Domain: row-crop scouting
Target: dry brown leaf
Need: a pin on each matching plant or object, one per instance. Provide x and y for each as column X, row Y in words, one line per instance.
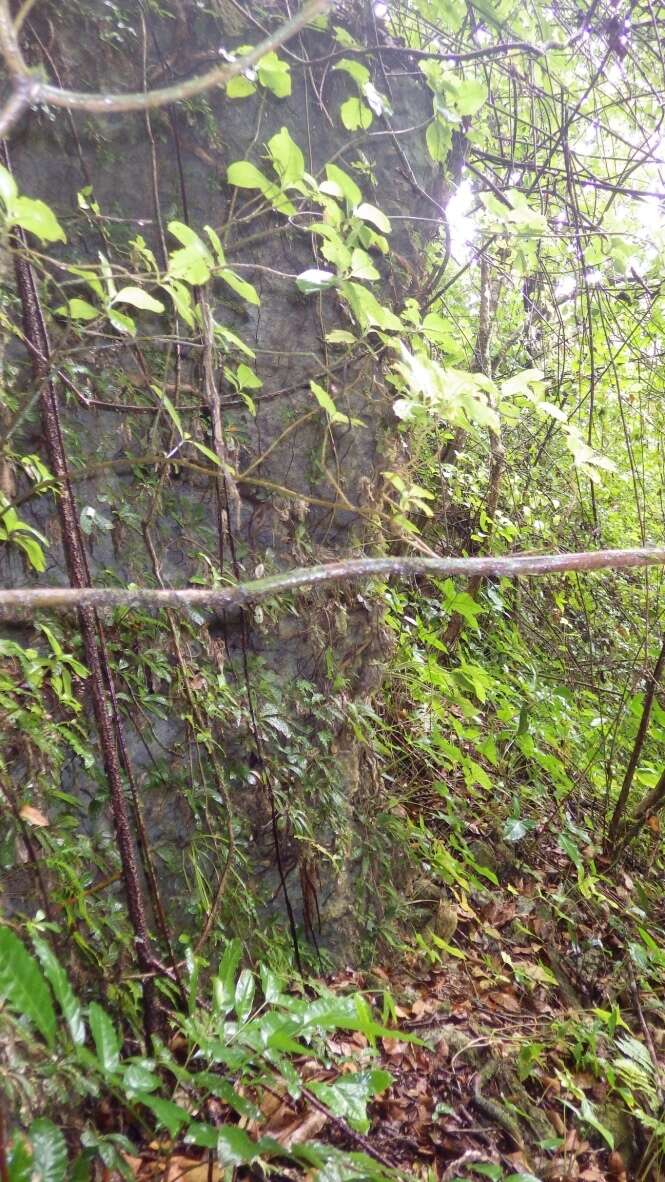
column 393, row 1047
column 301, row 1129
column 592, row 1173
column 507, row 1001
column 191, row 1169
column 33, row 816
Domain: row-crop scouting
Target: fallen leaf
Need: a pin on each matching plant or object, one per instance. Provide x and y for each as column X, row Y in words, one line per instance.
column 33, row 816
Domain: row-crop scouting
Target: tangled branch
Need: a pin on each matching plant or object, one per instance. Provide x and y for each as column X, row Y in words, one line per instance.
column 23, row 603
column 28, row 89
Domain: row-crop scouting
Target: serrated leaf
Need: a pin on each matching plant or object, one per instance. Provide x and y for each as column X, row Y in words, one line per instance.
column 49, row 1151
column 470, row 94
column 23, row 986
column 107, row 1043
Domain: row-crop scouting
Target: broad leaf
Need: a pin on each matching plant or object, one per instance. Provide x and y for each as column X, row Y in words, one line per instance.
column 23, row 986
column 49, row 1151
column 107, row 1043
column 64, row 994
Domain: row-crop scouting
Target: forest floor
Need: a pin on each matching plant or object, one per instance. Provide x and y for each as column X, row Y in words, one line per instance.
column 525, row 1047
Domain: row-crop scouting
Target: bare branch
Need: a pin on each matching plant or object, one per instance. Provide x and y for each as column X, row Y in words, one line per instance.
column 31, row 89
column 23, row 603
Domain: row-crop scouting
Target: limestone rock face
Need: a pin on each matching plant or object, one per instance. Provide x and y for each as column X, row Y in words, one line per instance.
column 311, row 489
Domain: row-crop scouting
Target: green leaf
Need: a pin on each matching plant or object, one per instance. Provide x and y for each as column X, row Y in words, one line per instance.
column 487, row 1169
column 439, row 138
column 182, row 300
column 369, row 213
column 355, row 114
column 23, row 986
column 8, row 189
column 313, row 281
column 107, row 1043
column 514, row 829
column 170, row 1115
column 20, row 1160
column 81, row 1171
column 138, row 298
column 348, row 1096
column 170, row 409
column 121, row 321
column 241, row 286
column 345, row 185
column 247, row 379
column 235, row 1147
column 340, row 336
column 326, row 403
column 49, row 1151
column 139, row 1077
column 240, row 87
column 216, row 245
column 275, row 75
column 78, row 310
column 287, row 158
column 362, row 266
column 206, row 451
column 194, row 262
column 64, row 994
column 244, row 994
column 470, row 94
column 355, row 69
column 368, row 311
column 245, row 175
column 37, row 218
column 224, row 984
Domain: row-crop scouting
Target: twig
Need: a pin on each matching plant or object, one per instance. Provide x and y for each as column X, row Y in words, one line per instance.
column 28, row 89
column 22, row 603
column 645, row 1030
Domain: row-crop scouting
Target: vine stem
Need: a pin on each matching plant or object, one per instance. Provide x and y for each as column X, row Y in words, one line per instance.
column 26, row 602
column 96, row 655
column 28, row 89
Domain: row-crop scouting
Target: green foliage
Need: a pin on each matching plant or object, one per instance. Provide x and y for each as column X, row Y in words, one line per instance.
column 257, row 1043
column 483, row 382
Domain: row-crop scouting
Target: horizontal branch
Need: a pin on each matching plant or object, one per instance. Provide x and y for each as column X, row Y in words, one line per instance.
column 24, row 603
column 29, row 89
